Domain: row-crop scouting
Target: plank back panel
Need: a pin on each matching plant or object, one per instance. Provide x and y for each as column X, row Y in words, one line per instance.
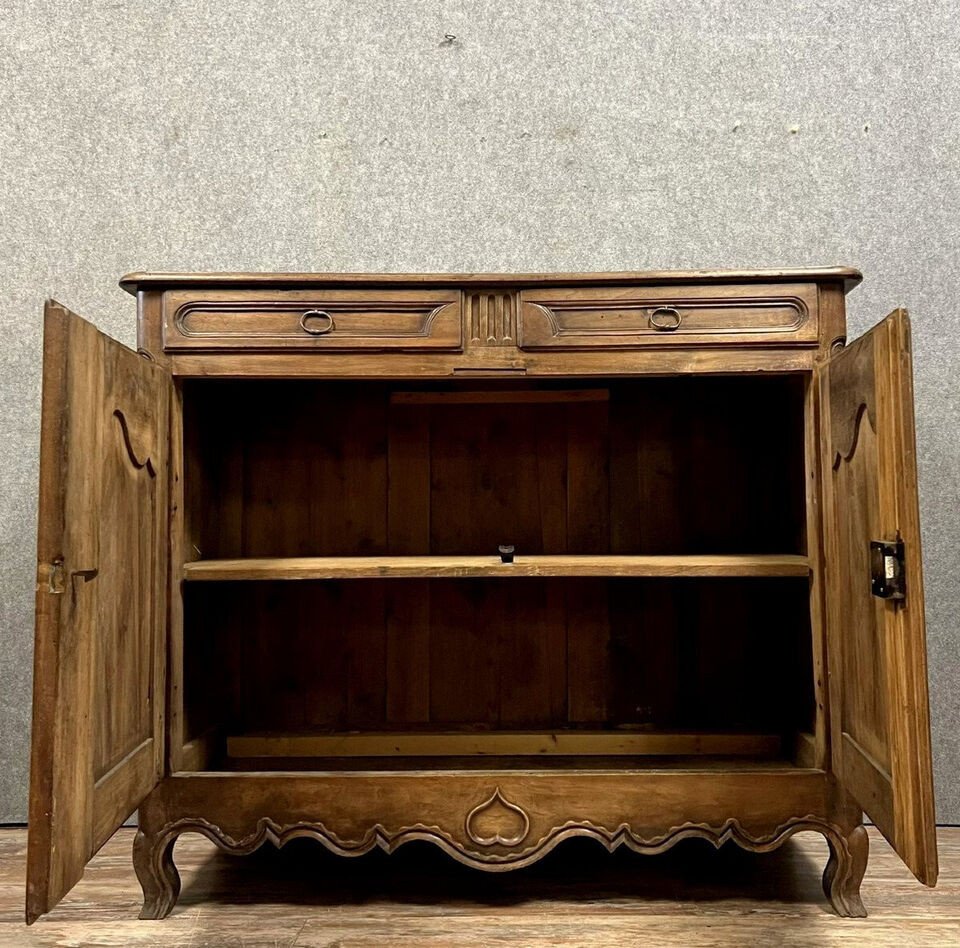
column 286, row 469
column 525, row 654
column 653, row 466
column 688, row 471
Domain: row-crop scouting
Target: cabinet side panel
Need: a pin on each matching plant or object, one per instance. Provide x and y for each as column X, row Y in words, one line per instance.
column 178, row 556
column 814, row 549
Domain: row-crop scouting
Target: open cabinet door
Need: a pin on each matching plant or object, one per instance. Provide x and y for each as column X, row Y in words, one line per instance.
column 99, row 664
column 876, row 650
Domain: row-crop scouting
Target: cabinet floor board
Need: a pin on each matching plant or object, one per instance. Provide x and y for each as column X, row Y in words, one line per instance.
column 505, row 743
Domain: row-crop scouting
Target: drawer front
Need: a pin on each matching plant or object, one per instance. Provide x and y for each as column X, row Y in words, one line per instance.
column 317, row 320
column 625, row 317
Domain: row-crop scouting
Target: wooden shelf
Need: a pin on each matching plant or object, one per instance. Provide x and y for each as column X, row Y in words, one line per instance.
column 618, row 743
column 464, row 567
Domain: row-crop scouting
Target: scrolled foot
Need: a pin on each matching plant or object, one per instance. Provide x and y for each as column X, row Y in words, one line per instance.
column 159, row 879
column 844, row 872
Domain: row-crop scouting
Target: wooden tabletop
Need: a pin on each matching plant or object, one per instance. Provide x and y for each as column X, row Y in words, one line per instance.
column 133, row 282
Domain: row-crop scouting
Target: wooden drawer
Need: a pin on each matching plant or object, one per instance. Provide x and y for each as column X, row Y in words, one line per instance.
column 628, row 316
column 317, row 320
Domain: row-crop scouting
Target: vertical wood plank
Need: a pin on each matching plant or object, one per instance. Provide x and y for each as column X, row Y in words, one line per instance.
column 327, row 626
column 358, row 507
column 277, row 501
column 408, row 652
column 227, row 466
column 533, row 658
column 588, row 651
column 626, row 518
column 464, row 655
column 588, row 499
column 646, row 666
column 408, row 500
column 646, row 477
column 549, row 446
column 365, row 619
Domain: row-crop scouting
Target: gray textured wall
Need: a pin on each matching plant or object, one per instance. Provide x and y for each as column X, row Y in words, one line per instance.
column 568, row 135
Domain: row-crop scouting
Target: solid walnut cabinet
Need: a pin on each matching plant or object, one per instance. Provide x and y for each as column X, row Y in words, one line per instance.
column 491, row 561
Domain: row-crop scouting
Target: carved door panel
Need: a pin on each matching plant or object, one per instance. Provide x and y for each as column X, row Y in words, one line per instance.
column 880, row 724
column 101, row 601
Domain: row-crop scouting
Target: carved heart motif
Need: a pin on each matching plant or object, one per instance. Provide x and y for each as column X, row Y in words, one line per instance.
column 497, row 820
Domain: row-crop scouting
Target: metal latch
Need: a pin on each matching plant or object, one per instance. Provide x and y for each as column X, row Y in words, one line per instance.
column 887, row 573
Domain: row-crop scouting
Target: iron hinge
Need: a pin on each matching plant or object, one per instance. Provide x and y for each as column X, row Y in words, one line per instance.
column 888, row 578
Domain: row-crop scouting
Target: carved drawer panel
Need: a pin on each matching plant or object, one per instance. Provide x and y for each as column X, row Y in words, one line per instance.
column 625, row 317
column 318, row 320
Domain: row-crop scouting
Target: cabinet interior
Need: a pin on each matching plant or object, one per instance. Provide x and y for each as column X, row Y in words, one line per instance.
column 485, row 670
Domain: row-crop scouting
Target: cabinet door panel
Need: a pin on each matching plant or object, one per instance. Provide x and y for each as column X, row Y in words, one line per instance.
column 880, row 726
column 99, row 669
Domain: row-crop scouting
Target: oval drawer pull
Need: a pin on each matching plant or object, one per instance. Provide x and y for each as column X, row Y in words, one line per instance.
column 666, row 318
column 316, row 314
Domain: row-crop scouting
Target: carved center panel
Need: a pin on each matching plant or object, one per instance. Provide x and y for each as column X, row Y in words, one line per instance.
column 497, row 820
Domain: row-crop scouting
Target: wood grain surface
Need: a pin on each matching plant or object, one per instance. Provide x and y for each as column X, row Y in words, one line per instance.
column 580, row 895
column 459, row 567
column 131, row 282
column 101, row 598
column 499, row 743
column 879, row 705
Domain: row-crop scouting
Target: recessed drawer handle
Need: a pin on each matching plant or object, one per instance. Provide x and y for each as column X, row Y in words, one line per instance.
column 322, row 325
column 666, row 318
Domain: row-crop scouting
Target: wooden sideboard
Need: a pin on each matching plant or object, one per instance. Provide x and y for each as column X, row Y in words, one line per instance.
column 486, row 560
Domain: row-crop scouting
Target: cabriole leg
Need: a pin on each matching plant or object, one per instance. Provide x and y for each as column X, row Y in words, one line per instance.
column 159, row 879
column 844, row 872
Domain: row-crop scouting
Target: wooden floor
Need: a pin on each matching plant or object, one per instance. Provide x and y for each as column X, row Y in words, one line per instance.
column 580, row 895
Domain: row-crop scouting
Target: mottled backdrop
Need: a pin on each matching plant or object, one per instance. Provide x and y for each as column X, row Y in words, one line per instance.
column 417, row 135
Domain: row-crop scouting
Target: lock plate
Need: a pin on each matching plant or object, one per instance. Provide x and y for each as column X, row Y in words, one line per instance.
column 887, row 573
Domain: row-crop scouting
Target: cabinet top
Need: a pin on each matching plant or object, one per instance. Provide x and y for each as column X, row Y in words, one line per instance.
column 133, row 282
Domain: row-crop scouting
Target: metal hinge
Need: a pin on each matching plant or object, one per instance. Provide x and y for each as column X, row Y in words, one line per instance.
column 50, row 577
column 888, row 578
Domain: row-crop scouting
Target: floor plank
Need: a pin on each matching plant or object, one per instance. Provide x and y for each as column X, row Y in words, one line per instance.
column 579, row 895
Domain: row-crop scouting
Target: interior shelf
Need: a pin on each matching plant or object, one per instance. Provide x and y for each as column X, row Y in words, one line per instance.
column 478, row 567
column 614, row 743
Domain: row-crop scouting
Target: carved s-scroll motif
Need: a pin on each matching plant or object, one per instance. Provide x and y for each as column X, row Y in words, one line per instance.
column 852, row 396
column 851, row 450
column 147, row 462
column 497, row 820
